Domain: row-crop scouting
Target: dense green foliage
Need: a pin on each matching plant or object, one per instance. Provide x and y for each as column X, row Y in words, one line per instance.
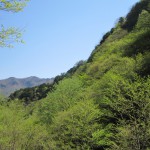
column 102, row 104
column 28, row 95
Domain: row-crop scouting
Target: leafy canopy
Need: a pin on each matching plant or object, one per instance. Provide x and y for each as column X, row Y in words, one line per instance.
column 11, row 34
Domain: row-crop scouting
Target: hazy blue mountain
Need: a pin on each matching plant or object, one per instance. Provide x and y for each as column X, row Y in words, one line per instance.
column 7, row 86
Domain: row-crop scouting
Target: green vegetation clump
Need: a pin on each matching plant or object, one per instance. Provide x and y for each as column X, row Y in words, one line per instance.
column 101, row 104
column 11, row 34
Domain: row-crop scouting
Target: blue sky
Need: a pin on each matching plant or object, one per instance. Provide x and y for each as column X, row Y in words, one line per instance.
column 58, row 33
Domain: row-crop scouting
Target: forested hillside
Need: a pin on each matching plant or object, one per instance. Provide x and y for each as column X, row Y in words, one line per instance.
column 100, row 104
column 35, row 93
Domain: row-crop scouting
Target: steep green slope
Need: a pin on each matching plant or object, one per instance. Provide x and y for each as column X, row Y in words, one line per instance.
column 116, row 79
column 103, row 104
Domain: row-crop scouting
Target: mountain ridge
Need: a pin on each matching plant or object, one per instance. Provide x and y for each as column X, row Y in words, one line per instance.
column 11, row 84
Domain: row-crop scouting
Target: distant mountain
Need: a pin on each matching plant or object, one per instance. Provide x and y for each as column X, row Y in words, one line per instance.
column 7, row 86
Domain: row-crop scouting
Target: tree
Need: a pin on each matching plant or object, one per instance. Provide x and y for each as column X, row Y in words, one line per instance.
column 125, row 112
column 72, row 129
column 11, row 34
column 65, row 95
column 133, row 15
column 143, row 20
column 19, row 129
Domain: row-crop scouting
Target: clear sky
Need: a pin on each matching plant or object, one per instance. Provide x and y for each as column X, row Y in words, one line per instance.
column 58, row 33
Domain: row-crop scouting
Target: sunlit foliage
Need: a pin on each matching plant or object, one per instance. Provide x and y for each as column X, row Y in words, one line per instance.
column 101, row 104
